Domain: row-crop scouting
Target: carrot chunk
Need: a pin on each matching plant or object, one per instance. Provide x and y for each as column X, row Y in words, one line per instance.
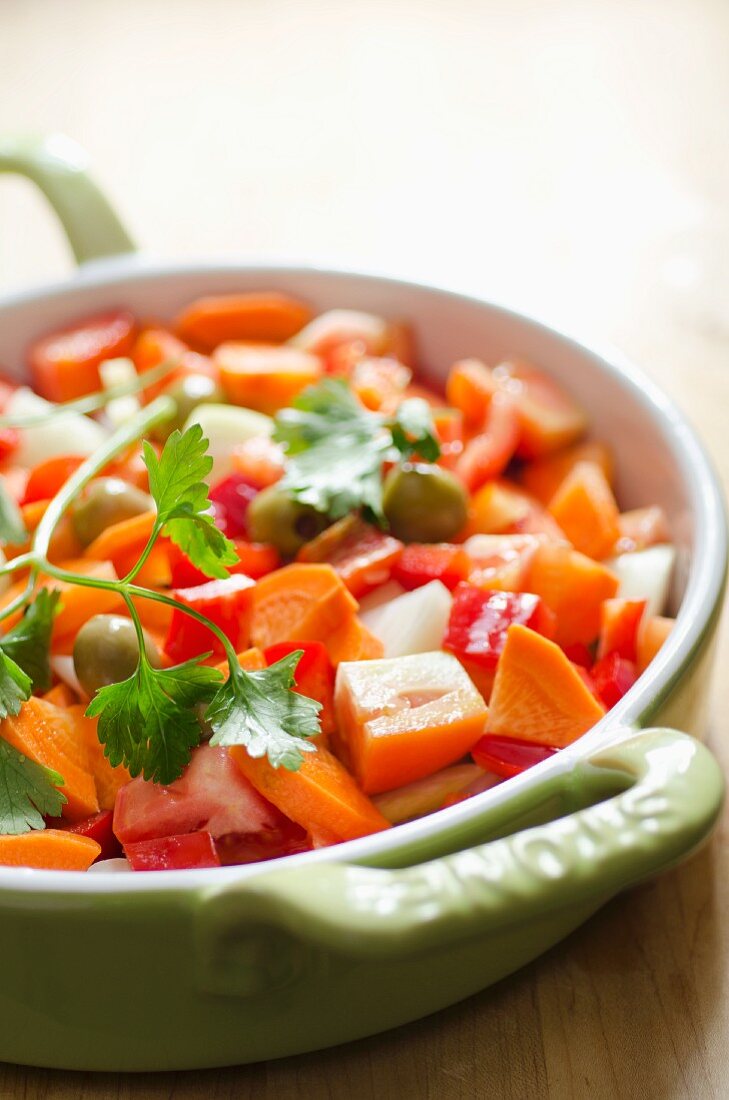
column 107, row 779
column 651, row 636
column 65, row 365
column 262, row 377
column 266, row 318
column 77, row 603
column 543, row 477
column 574, row 586
column 49, row 850
column 321, row 796
column 538, row 694
column 301, row 602
column 586, row 510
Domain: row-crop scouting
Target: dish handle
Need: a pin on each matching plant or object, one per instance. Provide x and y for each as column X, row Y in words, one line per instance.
column 59, row 167
column 255, row 934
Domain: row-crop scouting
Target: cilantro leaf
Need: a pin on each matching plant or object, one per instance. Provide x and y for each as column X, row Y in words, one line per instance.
column 28, row 642
column 28, row 791
column 148, row 722
column 177, row 483
column 335, row 448
column 15, row 686
column 12, row 528
column 259, row 710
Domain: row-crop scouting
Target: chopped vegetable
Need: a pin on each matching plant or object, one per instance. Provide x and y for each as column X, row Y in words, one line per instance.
column 272, row 317
column 507, row 756
column 479, row 622
column 652, row 633
column 413, row 623
column 619, row 626
column 173, row 853
column 543, row 477
column 66, row 364
column 265, row 378
column 228, row 604
column 612, row 677
column 49, row 850
column 362, row 555
column 226, row 429
column 420, row 563
column 574, row 587
column 645, row 575
column 51, row 437
column 313, row 677
column 586, row 510
column 301, row 602
column 425, row 796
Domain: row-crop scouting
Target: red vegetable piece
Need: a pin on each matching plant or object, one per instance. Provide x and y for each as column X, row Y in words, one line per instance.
column 362, row 555
column 480, row 619
column 255, row 559
column 507, row 756
column 173, row 853
column 65, row 365
column 227, row 603
column 487, row 454
column 579, row 654
column 231, row 498
column 612, row 677
column 314, row 676
column 619, row 624
column 48, row 477
column 421, row 563
column 9, row 440
column 98, row 827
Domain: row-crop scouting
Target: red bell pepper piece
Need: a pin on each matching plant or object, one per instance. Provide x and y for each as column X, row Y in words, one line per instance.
column 421, row 563
column 228, row 603
column 480, row 619
column 173, row 853
column 98, row 827
column 255, row 559
column 507, row 756
column 612, row 677
column 579, row 654
column 9, row 440
column 487, row 454
column 619, row 624
column 362, row 555
column 314, row 676
column 48, row 477
column 230, row 499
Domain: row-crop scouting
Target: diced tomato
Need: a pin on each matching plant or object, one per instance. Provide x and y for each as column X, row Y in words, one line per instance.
column 508, row 756
column 173, row 853
column 48, row 477
column 212, row 795
column 228, row 603
column 255, row 559
column 362, row 555
column 65, row 365
column 619, row 625
column 480, row 619
column 421, row 563
column 488, row 453
column 9, row 440
column 231, row 498
column 612, row 677
column 259, row 460
column 98, row 827
column 314, row 676
column 579, row 654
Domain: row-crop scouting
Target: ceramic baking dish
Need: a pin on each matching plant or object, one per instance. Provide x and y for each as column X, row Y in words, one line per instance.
column 202, row 968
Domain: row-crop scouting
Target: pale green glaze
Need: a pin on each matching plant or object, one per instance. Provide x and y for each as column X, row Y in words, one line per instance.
column 306, row 954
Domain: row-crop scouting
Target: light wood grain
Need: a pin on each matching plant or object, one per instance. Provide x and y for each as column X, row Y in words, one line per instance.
column 569, row 157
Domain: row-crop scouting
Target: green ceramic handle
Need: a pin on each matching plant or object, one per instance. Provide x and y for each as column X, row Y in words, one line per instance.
column 670, row 793
column 58, row 166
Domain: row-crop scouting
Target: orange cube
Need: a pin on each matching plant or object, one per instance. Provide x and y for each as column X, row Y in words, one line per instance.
column 586, row 510
column 574, row 587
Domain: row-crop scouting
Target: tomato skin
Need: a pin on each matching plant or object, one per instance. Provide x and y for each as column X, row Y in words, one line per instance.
column 314, row 676
column 228, row 603
column 173, row 853
column 620, row 621
column 612, row 677
column 362, row 555
column 48, row 477
column 480, row 619
column 508, row 756
column 255, row 559
column 579, row 654
column 421, row 563
column 230, row 498
column 65, row 364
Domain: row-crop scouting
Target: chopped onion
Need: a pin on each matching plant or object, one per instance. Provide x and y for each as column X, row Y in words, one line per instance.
column 110, row 867
column 118, row 372
column 413, row 623
column 226, row 427
column 66, row 433
column 645, row 575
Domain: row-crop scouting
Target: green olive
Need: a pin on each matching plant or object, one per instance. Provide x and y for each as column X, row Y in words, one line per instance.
column 188, row 392
column 106, row 651
column 274, row 517
column 107, row 500
column 424, row 503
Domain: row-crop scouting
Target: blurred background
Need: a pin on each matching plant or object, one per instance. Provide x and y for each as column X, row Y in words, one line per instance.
column 568, row 157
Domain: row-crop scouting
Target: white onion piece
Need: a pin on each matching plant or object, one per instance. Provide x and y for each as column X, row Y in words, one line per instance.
column 338, row 325
column 226, row 426
column 645, row 575
column 426, row 795
column 374, row 601
column 67, row 433
column 110, row 867
column 414, row 622
column 118, row 372
column 64, row 669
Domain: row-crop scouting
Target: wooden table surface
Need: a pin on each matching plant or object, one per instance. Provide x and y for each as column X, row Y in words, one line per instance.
column 567, row 157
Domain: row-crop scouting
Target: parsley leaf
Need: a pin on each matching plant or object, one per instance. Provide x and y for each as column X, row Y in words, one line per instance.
column 258, row 710
column 15, row 686
column 28, row 642
column 148, row 722
column 335, row 448
column 177, row 483
column 12, row 528
column 28, row 791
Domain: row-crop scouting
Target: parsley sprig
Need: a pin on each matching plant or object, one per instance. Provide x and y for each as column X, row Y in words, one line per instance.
column 28, row 791
column 335, row 448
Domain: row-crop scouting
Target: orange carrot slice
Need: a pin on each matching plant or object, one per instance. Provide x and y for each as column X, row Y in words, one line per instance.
column 77, row 604
column 304, row 602
column 543, row 477
column 586, row 510
column 574, row 587
column 50, row 736
column 108, row 780
column 538, row 694
column 651, row 636
column 352, row 641
column 49, row 850
column 250, row 660
column 267, row 378
column 496, row 508
column 121, row 539
column 320, row 796
column 60, row 695
column 65, row 364
column 268, row 318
